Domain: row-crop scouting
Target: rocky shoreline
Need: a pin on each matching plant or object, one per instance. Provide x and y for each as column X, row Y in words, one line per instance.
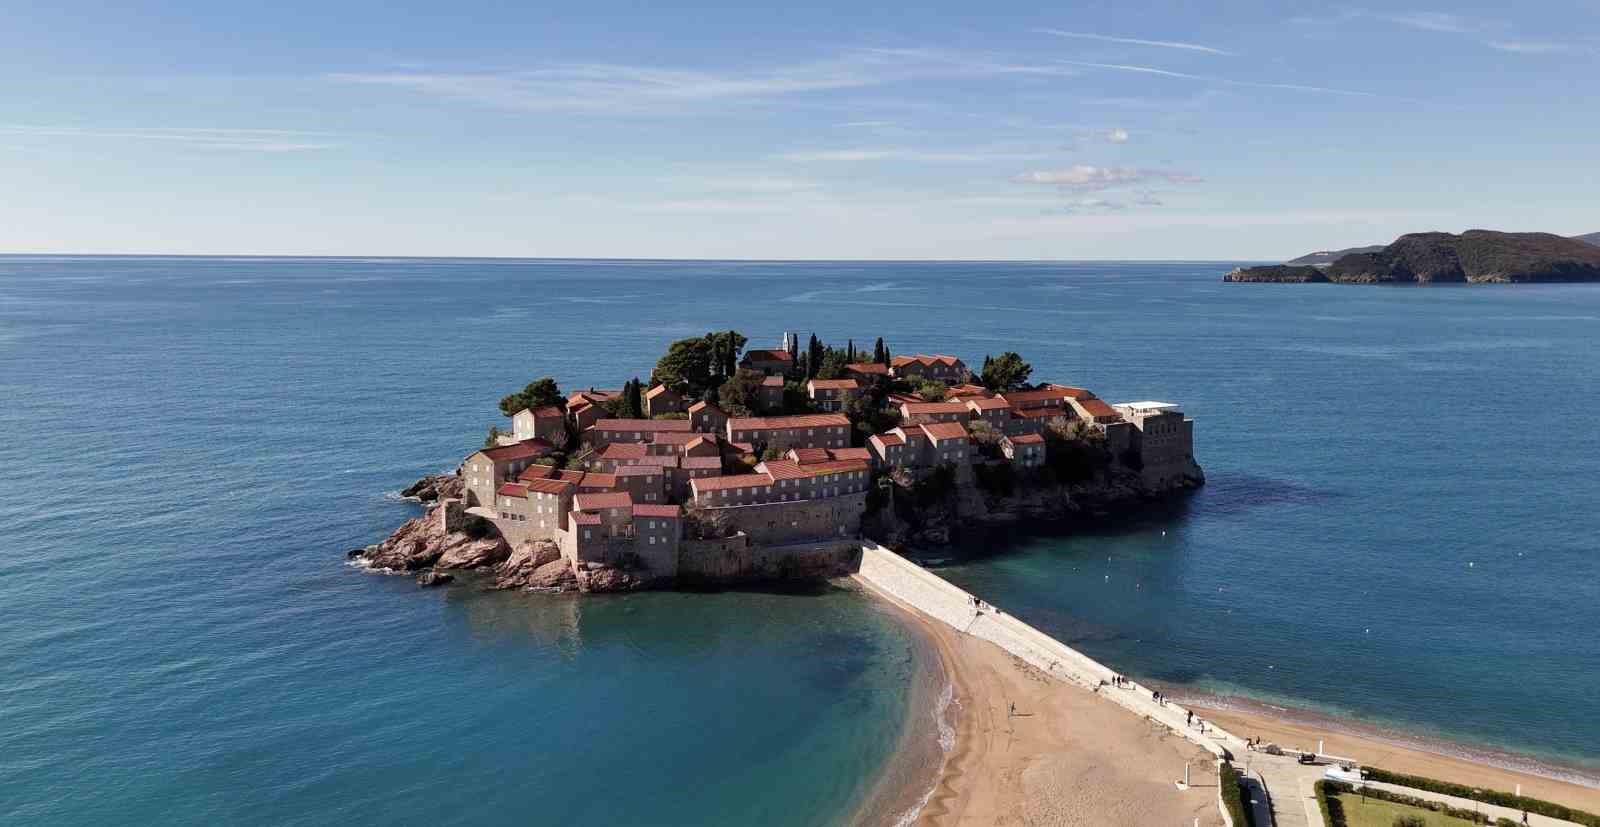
column 423, row 547
column 909, row 517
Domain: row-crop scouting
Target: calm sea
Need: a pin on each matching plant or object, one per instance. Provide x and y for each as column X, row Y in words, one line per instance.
column 1400, row 527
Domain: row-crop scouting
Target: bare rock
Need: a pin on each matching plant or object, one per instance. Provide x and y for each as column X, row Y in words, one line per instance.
column 422, row 542
column 532, row 566
column 432, row 488
column 464, row 552
column 601, row 579
column 430, row 579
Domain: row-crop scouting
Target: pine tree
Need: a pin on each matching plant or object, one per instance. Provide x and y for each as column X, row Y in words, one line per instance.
column 813, row 357
column 730, row 364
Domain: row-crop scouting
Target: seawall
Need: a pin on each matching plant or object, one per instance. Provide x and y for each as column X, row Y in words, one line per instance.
column 888, row 573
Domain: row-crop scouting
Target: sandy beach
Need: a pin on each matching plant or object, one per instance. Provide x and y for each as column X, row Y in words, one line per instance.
column 1066, row 757
column 1372, row 750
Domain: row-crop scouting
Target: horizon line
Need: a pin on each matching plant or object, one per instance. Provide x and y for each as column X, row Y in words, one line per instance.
column 362, row 257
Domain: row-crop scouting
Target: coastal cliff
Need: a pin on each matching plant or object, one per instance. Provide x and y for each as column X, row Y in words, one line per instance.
column 928, row 513
column 1474, row 257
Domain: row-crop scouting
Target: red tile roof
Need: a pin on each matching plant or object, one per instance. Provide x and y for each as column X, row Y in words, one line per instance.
column 834, row 384
column 588, row 501
column 1024, row 439
column 597, row 481
column 986, row 404
column 511, row 489
column 733, row 481
column 889, row 438
column 678, row 437
column 703, row 405
column 1046, row 412
column 767, row 356
column 772, row 382
column 585, row 518
column 550, row 486
column 783, row 469
column 1075, row 393
column 640, row 471
column 924, row 359
column 525, row 449
column 870, row 368
column 536, row 472
column 809, row 455
column 940, row 431
column 1097, row 408
column 850, row 453
column 624, row 450
column 1042, row 395
column 670, row 511
column 700, row 463
column 656, row 391
column 658, row 461
column 769, row 423
column 913, row 408
column 641, row 425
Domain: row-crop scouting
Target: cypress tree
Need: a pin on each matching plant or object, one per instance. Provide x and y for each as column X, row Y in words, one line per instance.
column 877, row 350
column 635, row 399
column 849, row 351
column 730, row 365
column 886, row 357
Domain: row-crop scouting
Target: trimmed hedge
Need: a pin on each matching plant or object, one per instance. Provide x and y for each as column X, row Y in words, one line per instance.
column 1504, row 799
column 1239, row 813
column 1332, row 810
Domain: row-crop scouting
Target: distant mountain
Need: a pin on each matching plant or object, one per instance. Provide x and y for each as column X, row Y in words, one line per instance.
column 1474, row 257
column 1322, row 257
column 1591, row 238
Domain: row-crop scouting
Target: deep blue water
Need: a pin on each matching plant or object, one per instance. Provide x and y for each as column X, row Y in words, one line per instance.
column 1400, row 526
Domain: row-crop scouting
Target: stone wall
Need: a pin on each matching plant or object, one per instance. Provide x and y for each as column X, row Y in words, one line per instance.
column 735, row 558
column 799, row 521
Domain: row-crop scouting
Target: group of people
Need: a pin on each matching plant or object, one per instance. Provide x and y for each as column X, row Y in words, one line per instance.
column 1160, row 698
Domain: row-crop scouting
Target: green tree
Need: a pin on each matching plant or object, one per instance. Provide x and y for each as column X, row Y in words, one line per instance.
column 887, row 359
column 933, row 390
column 833, row 364
column 635, row 394
column 849, row 351
column 686, row 366
column 740, row 395
column 537, row 394
column 878, row 352
column 493, row 438
column 1005, row 372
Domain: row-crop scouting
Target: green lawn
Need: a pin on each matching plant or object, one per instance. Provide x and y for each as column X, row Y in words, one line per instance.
column 1377, row 813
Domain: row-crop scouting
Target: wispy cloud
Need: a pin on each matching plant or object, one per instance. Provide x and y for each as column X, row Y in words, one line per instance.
column 1117, row 136
column 1135, row 41
column 1527, row 47
column 1292, row 87
column 1433, row 21
column 1089, row 178
column 623, row 88
column 867, row 124
column 906, row 154
column 251, row 140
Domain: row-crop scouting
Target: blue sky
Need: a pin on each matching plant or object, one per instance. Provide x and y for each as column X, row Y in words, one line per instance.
column 817, row 130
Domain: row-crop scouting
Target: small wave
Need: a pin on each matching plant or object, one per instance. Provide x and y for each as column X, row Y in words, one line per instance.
column 947, row 744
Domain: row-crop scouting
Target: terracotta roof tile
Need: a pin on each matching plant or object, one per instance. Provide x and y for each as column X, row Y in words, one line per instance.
column 511, row 489
column 913, row 408
column 769, row 423
column 671, row 511
column 767, row 356
column 550, row 486
column 624, row 450
column 733, row 481
column 833, row 384
column 587, row 501
column 985, row 404
column 641, row 425
column 525, row 449
column 940, row 431
column 585, row 518
column 1024, row 439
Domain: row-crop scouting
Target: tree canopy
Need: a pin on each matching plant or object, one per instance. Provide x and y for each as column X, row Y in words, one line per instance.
column 537, row 394
column 1005, row 372
column 740, row 395
column 691, row 366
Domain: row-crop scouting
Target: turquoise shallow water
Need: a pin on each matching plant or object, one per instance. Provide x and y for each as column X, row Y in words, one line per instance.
column 191, row 444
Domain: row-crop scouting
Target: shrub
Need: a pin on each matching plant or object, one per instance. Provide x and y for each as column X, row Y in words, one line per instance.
column 996, row 477
column 1233, row 796
column 1503, row 799
column 1410, row 821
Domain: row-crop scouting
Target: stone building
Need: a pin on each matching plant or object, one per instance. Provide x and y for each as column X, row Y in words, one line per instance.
column 770, row 395
column 661, row 399
column 606, row 431
column 1024, row 450
column 707, row 418
column 915, row 413
column 486, row 470
column 769, row 362
column 832, row 394
column 946, row 369
column 1164, row 438
column 785, row 432
column 1095, row 411
column 548, row 423
column 996, row 413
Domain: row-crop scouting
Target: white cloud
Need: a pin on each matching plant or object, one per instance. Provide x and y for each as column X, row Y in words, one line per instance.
column 250, row 140
column 1293, row 87
column 901, row 154
column 1527, row 47
column 1134, row 41
column 623, row 88
column 1117, row 136
column 1085, row 177
column 867, row 124
column 1432, row 21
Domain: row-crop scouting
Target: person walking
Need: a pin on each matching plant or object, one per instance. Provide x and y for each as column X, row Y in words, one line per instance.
column 1188, row 718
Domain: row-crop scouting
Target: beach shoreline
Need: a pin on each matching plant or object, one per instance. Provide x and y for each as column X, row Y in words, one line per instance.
column 1398, row 750
column 1028, row 748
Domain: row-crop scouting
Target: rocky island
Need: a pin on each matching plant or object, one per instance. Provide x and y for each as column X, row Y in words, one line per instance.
column 1473, row 257
column 733, row 466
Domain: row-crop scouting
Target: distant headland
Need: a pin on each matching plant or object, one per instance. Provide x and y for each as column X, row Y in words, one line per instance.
column 1473, row 257
column 735, row 465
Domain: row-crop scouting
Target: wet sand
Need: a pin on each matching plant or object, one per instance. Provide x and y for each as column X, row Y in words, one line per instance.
column 1067, row 757
column 1371, row 749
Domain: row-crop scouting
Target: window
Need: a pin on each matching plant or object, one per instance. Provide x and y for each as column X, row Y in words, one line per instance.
column 652, row 541
column 587, row 534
